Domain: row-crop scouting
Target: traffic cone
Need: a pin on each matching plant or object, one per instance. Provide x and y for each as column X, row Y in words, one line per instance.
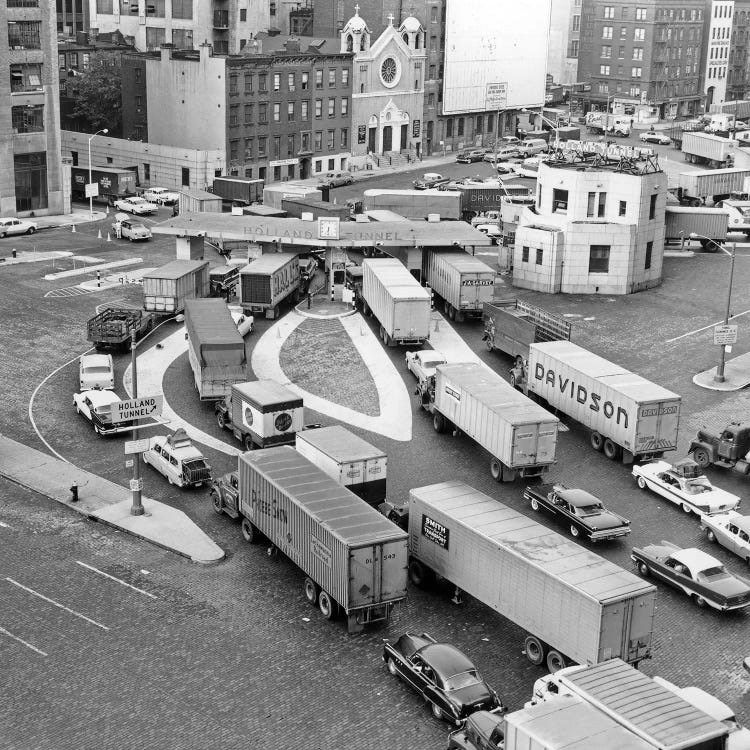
column 99, row 236
column 107, row 209
column 74, row 228
column 109, row 239
column 437, row 323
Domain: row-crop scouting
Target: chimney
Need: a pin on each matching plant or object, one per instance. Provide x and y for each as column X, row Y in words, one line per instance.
column 205, row 50
column 292, row 45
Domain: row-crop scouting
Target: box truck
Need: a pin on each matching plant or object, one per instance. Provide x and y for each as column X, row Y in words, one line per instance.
column 574, row 605
column 216, row 350
column 347, row 458
column 519, row 435
column 238, row 191
column 268, row 281
column 710, row 224
column 113, row 183
column 628, row 417
column 400, row 303
column 352, row 557
column 261, row 413
column 696, row 186
column 637, row 702
column 462, row 281
column 274, row 194
column 166, row 289
column 712, row 150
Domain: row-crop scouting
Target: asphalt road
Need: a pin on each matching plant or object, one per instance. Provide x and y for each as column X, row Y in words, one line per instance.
column 231, row 656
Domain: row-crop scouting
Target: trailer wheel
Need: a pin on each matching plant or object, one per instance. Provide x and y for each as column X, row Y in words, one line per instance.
column 248, row 443
column 249, row 532
column 596, row 440
column 451, row 312
column 611, row 449
column 446, row 308
column 326, row 605
column 556, row 661
column 536, row 650
column 496, row 469
column 701, row 457
column 216, row 502
column 438, row 422
column 311, row 591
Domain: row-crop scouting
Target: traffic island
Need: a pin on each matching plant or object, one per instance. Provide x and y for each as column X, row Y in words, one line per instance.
column 736, row 375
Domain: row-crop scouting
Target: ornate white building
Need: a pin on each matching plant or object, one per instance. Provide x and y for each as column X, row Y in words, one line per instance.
column 387, row 86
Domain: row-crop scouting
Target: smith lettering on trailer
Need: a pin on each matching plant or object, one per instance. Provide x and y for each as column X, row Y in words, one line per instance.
column 435, row 532
column 137, row 408
column 581, row 394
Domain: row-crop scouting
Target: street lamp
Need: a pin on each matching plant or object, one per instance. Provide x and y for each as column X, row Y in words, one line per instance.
column 91, row 197
column 719, row 377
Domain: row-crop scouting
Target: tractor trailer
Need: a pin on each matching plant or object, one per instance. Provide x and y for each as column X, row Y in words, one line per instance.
column 462, row 281
column 268, row 281
column 697, row 185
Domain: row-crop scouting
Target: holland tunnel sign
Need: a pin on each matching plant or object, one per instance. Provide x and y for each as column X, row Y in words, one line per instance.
column 137, row 408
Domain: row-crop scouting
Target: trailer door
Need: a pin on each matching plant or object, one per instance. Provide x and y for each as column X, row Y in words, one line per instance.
column 377, row 573
column 534, row 444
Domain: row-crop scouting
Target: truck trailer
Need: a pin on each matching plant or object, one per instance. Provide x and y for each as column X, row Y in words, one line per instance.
column 696, row 186
column 112, row 327
column 519, row 435
column 712, row 150
column 400, row 303
column 463, row 282
column 628, row 417
column 575, row 605
column 113, row 183
column 710, row 224
column 352, row 557
column 238, row 191
column 268, row 281
column 216, row 350
column 166, row 289
column 416, row 204
column 295, row 207
column 345, row 457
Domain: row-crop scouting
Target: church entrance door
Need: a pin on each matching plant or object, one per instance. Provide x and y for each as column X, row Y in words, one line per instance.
column 387, row 138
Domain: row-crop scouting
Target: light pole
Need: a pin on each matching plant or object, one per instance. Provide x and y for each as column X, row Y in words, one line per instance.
column 91, row 197
column 553, row 125
column 719, row 377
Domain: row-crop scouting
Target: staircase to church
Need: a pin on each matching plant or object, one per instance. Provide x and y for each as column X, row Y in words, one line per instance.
column 394, row 158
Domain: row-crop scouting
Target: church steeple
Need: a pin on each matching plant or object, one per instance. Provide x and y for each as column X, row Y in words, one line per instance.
column 355, row 36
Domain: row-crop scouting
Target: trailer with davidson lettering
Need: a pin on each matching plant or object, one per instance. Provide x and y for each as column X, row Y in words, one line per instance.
column 353, row 558
column 629, row 417
column 463, row 282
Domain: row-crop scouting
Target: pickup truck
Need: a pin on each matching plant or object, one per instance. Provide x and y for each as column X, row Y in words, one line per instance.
column 111, row 328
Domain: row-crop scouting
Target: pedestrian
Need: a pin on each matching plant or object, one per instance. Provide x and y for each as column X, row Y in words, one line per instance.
column 118, row 230
column 309, row 300
column 632, row 121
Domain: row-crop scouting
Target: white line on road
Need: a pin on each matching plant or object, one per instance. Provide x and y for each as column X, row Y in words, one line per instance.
column 57, row 604
column 21, row 640
column 118, row 580
column 705, row 328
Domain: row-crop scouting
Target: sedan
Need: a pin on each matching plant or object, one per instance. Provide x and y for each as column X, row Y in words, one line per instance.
column 16, row 226
column 684, row 485
column 160, row 195
column 442, row 674
column 96, row 371
column 430, row 180
column 469, row 157
column 730, row 530
column 702, row 577
column 652, row 136
column 422, row 364
column 97, row 406
column 335, row 179
column 131, row 230
column 505, row 153
column 136, row 205
column 581, row 512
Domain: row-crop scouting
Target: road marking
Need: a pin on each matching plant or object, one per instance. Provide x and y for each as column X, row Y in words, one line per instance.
column 69, row 291
column 118, row 580
column 57, row 604
column 705, row 328
column 4, row 525
column 21, row 640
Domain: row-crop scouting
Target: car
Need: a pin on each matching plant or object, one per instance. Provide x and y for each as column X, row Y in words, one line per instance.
column 532, row 147
column 96, row 371
column 683, row 484
column 504, row 153
column 702, row 577
column 422, row 364
column 135, row 205
column 583, row 513
column 468, row 157
column 442, row 674
column 160, row 195
column 739, row 125
column 730, row 530
column 178, row 459
column 129, row 229
column 97, row 406
column 430, row 180
column 13, row 226
column 483, row 730
column 335, row 179
column 653, row 136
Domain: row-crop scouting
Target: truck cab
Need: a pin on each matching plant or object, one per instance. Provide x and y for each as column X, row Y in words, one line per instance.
column 729, row 449
column 224, row 494
column 178, row 459
column 482, row 730
column 223, row 280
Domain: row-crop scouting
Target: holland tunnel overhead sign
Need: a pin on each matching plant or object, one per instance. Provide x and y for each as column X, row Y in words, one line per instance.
column 137, row 408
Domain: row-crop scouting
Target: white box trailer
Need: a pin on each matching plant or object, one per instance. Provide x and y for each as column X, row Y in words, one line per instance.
column 520, row 435
column 575, row 605
column 705, row 148
column 682, row 221
column 399, row 302
column 463, row 281
column 349, row 460
column 352, row 556
column 165, row 289
column 268, row 281
column 416, row 204
column 695, row 186
column 628, row 416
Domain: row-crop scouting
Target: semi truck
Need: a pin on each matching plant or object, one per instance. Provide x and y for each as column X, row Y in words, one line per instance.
column 352, row 557
column 216, row 350
column 519, row 435
column 637, row 702
column 601, row 123
column 696, row 186
column 238, row 191
column 112, row 327
column 268, row 281
column 512, row 325
column 574, row 605
column 261, row 413
column 400, row 303
column 462, row 281
column 710, row 224
column 738, row 213
column 728, row 448
column 628, row 417
column 166, row 289
column 113, row 183
column 712, row 150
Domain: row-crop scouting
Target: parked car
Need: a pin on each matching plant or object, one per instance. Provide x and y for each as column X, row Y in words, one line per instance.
column 129, row 229
column 683, row 484
column 653, row 136
column 430, row 180
column 13, row 226
column 160, row 195
column 178, row 459
column 96, row 371
column 136, row 205
column 730, row 530
column 442, row 674
column 96, row 406
column 504, row 153
column 422, row 364
column 702, row 577
column 468, row 157
column 335, row 179
column 580, row 511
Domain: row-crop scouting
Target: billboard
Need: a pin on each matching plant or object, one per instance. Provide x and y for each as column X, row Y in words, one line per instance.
column 495, row 55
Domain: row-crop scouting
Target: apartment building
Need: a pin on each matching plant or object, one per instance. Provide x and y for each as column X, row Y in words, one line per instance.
column 726, row 47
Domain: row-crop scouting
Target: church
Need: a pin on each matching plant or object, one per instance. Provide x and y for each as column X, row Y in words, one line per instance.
column 387, row 87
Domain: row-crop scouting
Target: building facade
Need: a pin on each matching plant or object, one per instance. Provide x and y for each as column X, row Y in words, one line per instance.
column 726, row 46
column 72, row 17
column 32, row 181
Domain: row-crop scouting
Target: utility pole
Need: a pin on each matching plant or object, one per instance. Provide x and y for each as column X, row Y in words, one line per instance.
column 137, row 507
column 719, row 377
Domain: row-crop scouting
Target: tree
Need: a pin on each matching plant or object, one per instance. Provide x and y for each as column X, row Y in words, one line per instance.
column 99, row 99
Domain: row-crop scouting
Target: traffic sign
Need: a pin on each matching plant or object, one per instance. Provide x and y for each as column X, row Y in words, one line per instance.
column 725, row 334
column 136, row 484
column 137, row 408
column 92, row 189
column 136, row 446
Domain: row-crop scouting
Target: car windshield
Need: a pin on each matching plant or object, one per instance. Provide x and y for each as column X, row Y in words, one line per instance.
column 716, row 573
column 589, row 510
column 96, row 370
column 137, row 226
column 462, row 680
column 697, row 486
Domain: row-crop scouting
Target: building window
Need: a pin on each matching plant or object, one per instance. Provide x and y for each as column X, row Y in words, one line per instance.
column 573, row 48
column 31, row 181
column 480, row 122
column 606, row 50
column 433, row 14
column 525, row 255
column 248, row 149
column 432, row 70
column 599, row 259
column 449, row 127
column 182, row 38
column 243, row 14
column 263, row 113
column 318, row 109
column 234, row 150
column 331, row 164
column 559, row 200
column 290, row 82
column 460, row 126
column 609, row 11
column 276, row 146
column 623, row 208
column 591, row 204
column 262, row 147
column 539, row 256
column 576, row 22
column 262, row 173
column 248, row 114
column 635, row 72
column 305, row 113
column 639, row 34
column 234, row 115
column 155, row 8
column 290, row 112
column 604, row 70
column 155, row 37
column 331, row 140
column 602, row 205
column 332, row 78
column 290, row 144
column 26, row 76
column 233, row 84
column 185, row 181
column 262, row 82
column 430, row 100
column 26, row 35
column 345, row 76
column 344, row 138
column 318, row 79
column 638, row 53
column 277, row 81
column 305, row 142
column 652, row 207
column 277, row 112
column 606, row 32
column 344, row 106
column 318, row 140
column 305, row 84
column 182, row 9
column 248, row 83
column 104, row 6
column 649, row 251
column 332, row 108
column 640, row 14
column 276, row 173
column 248, row 173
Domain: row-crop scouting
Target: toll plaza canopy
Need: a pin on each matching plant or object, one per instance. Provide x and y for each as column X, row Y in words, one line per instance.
column 299, row 232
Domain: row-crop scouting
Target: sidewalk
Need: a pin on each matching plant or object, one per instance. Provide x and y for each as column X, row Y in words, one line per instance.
column 736, row 375
column 78, row 216
column 105, row 501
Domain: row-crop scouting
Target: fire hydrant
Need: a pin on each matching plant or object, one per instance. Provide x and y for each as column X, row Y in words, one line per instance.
column 74, row 492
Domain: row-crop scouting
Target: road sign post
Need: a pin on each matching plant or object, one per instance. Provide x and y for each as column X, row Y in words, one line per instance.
column 725, row 334
column 136, row 483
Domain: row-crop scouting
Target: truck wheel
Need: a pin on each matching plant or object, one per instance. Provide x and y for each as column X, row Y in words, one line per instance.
column 249, row 532
column 641, row 483
column 710, row 536
column 311, row 591
column 451, row 312
column 490, row 344
column 596, row 440
column 221, row 420
column 611, row 449
column 536, row 650
column 216, row 502
column 366, row 309
column 496, row 469
column 248, row 443
column 326, row 605
column 556, row 661
column 446, row 308
column 513, row 380
column 438, row 422
column 701, row 457
column 381, row 332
